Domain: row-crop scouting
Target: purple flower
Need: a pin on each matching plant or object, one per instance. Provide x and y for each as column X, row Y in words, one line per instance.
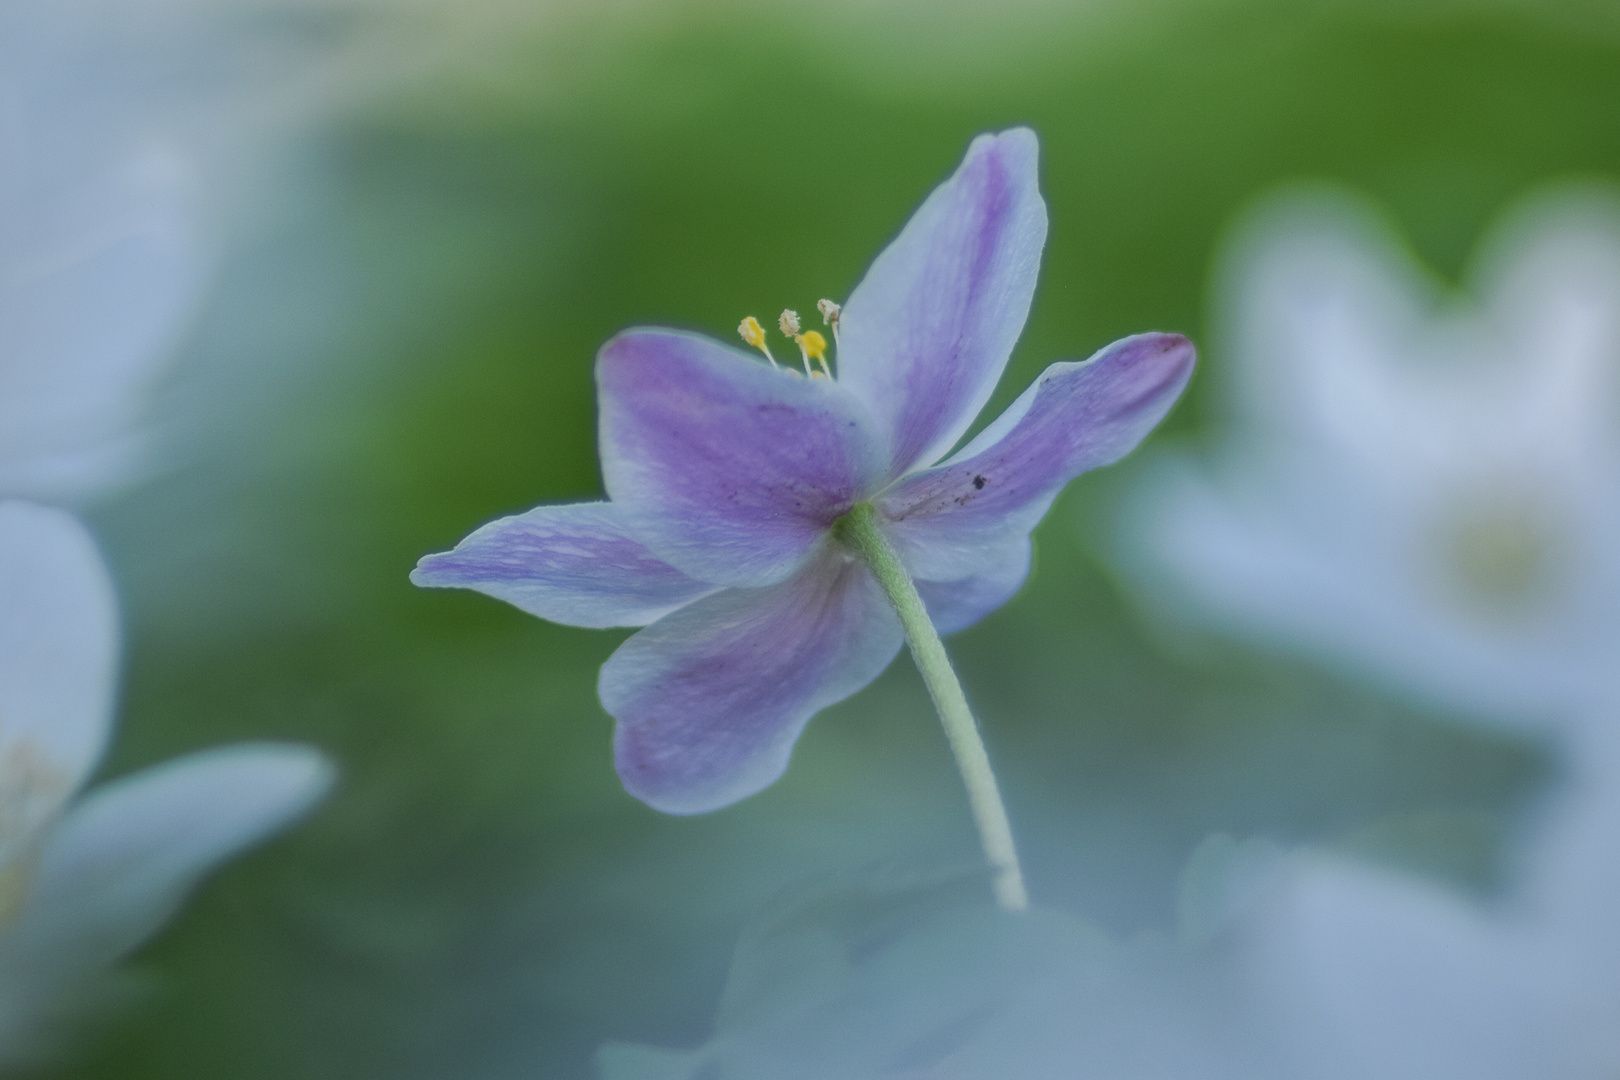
column 726, row 477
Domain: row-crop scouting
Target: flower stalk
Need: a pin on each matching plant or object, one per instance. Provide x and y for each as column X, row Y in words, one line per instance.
column 860, row 530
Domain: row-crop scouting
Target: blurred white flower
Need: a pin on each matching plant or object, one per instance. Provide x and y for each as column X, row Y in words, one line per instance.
column 1369, row 973
column 876, row 977
column 84, row 880
column 1423, row 488
column 100, row 264
column 1418, row 486
column 1294, row 966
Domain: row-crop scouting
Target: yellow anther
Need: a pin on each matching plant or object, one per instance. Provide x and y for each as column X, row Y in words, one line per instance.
column 754, row 334
column 789, row 322
column 813, row 344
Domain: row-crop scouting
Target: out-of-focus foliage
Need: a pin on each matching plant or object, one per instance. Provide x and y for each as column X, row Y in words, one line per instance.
column 407, row 353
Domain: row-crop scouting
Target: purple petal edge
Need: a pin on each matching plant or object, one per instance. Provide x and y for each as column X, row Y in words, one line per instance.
column 957, row 605
column 710, row 700
column 949, row 520
column 926, row 334
column 573, row 564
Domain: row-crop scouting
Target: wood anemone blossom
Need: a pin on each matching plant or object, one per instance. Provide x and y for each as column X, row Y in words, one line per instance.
column 762, row 524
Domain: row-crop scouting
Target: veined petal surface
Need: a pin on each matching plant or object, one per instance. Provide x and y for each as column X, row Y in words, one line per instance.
column 957, row 605
column 727, row 469
column 58, row 660
column 949, row 522
column 573, row 564
column 927, row 332
column 711, row 699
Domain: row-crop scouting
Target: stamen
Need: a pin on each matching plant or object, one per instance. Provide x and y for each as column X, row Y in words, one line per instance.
column 813, row 344
column 810, row 343
column 754, row 335
column 829, row 315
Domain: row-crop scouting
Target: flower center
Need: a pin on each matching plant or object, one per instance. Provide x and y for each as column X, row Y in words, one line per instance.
column 1501, row 556
column 812, row 346
column 31, row 788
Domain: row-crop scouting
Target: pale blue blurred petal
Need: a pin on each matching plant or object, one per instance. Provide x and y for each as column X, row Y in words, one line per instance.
column 1374, row 974
column 101, row 262
column 1421, row 491
column 58, row 661
column 125, row 857
column 130, row 850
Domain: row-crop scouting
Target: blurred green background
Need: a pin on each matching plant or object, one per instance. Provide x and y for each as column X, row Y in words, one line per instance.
column 408, row 354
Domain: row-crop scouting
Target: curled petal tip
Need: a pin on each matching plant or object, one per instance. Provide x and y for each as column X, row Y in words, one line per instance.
column 1171, row 355
column 1076, row 417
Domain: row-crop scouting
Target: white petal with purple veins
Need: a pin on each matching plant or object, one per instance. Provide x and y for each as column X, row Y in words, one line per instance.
column 957, row 605
column 927, row 332
column 949, row 521
column 710, row 700
column 725, row 468
column 572, row 564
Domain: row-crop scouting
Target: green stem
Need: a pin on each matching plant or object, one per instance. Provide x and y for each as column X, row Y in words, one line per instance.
column 860, row 528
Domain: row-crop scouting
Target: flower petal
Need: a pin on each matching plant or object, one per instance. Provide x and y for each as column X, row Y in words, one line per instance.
column 99, row 274
column 58, row 658
column 950, row 521
column 725, row 468
column 124, row 858
column 572, row 564
column 957, row 605
column 1396, row 977
column 710, row 700
column 139, row 843
column 927, row 332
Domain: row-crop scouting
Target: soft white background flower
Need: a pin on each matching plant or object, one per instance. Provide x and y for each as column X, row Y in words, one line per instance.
column 100, row 259
column 1366, row 972
column 86, row 879
column 1424, row 488
column 1421, row 486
